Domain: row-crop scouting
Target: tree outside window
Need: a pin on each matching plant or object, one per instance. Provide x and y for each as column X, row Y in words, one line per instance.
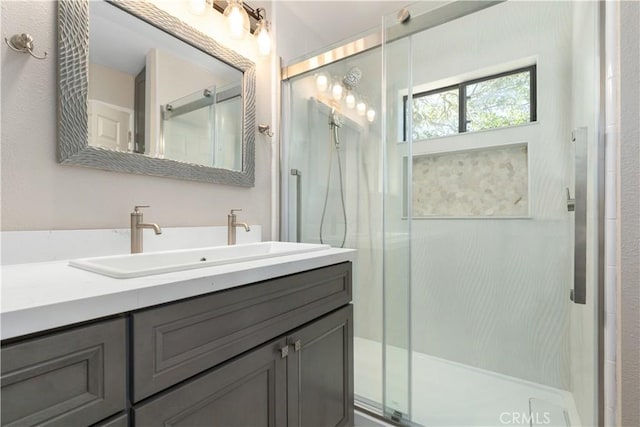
column 501, row 100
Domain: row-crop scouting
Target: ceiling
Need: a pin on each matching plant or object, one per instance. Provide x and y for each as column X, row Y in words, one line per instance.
column 330, row 21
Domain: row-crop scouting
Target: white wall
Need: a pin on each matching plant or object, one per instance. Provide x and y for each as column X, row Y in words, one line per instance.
column 629, row 217
column 40, row 194
column 111, row 86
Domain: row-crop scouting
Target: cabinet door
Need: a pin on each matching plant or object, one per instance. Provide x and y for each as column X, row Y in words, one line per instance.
column 71, row 378
column 320, row 372
column 248, row 391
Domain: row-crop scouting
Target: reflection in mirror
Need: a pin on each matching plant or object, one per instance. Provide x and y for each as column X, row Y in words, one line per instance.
column 151, row 93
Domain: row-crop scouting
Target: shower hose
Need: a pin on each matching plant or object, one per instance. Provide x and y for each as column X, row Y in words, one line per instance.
column 336, row 143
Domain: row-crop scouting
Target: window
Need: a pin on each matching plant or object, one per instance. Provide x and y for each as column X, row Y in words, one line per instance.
column 496, row 101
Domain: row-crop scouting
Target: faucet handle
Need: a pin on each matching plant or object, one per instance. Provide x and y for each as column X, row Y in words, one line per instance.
column 235, row 210
column 135, row 210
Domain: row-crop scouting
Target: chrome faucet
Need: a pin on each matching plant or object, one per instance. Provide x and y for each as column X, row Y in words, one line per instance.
column 136, row 229
column 231, row 226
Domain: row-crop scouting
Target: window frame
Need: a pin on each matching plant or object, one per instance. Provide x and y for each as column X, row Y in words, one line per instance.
column 462, row 98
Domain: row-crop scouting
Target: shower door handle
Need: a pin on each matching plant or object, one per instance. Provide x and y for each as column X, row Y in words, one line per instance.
column 298, row 175
column 579, row 292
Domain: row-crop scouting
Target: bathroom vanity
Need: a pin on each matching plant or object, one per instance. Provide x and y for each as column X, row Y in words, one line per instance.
column 213, row 346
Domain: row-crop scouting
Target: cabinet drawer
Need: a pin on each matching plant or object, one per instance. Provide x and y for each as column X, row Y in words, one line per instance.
column 176, row 341
column 76, row 377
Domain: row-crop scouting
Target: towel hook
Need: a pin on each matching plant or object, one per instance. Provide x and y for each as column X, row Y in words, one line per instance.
column 23, row 43
column 265, row 130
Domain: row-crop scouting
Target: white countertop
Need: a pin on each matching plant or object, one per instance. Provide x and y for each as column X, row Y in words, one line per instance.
column 41, row 296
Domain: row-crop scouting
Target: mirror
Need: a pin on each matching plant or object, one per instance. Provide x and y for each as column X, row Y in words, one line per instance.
column 142, row 92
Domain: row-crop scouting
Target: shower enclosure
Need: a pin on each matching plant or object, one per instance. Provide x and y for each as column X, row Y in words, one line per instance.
column 469, row 171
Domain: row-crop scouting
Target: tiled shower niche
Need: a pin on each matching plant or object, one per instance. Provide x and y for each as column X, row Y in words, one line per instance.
column 487, row 182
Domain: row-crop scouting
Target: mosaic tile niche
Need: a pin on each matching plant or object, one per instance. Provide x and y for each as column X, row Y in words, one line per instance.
column 492, row 182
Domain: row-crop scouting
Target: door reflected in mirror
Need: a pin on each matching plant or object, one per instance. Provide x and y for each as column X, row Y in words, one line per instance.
column 153, row 94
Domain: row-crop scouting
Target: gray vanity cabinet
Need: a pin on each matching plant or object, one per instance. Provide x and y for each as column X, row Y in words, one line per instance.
column 71, row 378
column 273, row 353
column 121, row 420
column 302, row 380
column 179, row 340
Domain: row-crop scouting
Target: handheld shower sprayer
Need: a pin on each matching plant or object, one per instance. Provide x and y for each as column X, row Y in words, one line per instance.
column 350, row 82
column 335, row 119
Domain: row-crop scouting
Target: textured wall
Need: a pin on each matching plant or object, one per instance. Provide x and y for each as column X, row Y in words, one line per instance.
column 629, row 192
column 476, row 183
column 40, row 194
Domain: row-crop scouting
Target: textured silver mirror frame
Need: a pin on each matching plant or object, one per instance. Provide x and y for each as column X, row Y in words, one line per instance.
column 73, row 62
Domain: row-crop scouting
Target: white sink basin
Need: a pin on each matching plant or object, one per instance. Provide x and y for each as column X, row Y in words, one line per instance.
column 137, row 265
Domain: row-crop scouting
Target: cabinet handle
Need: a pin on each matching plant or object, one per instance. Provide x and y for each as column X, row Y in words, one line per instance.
column 298, row 175
column 284, row 351
column 297, row 345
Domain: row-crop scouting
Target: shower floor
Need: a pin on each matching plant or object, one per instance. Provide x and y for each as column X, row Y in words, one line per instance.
column 446, row 393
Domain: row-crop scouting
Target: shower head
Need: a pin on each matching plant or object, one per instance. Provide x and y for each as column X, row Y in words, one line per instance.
column 352, row 78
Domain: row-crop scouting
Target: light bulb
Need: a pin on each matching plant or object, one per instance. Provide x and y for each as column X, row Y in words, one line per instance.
column 350, row 99
column 322, row 82
column 371, row 115
column 361, row 108
column 237, row 19
column 235, row 23
column 336, row 91
column 263, row 37
column 197, row 7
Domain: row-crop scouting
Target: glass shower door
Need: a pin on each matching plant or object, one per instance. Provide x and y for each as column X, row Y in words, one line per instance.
column 331, row 172
column 396, row 232
column 479, row 236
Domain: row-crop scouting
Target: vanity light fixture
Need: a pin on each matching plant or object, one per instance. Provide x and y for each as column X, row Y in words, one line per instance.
column 350, row 100
column 197, row 7
column 322, row 82
column 242, row 19
column 336, row 91
column 371, row 115
column 262, row 34
column 237, row 19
